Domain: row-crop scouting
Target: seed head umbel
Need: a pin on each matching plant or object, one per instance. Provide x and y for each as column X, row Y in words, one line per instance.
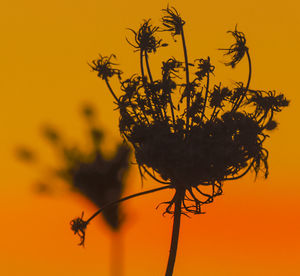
column 190, row 132
column 195, row 146
column 236, row 50
column 172, row 21
column 104, row 67
column 145, row 39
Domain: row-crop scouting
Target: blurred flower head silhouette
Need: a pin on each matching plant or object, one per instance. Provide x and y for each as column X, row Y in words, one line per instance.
column 89, row 172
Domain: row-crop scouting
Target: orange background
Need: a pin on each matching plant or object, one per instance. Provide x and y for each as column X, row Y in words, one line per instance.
column 253, row 229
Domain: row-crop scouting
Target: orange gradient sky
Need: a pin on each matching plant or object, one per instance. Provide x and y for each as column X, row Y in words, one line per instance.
column 253, row 229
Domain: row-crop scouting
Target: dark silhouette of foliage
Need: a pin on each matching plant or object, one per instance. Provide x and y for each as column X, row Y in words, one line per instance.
column 213, row 134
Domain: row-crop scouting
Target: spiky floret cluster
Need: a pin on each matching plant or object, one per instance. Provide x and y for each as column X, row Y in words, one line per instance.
column 193, row 134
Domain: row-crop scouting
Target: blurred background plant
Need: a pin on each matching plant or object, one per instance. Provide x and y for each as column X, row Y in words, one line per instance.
column 89, row 172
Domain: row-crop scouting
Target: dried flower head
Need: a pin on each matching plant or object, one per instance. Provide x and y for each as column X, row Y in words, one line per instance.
column 145, row 39
column 104, row 67
column 78, row 226
column 194, row 146
column 172, row 21
column 88, row 171
column 238, row 49
column 212, row 139
column 204, row 68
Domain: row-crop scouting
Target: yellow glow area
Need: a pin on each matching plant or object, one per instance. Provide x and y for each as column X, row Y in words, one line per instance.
column 253, row 229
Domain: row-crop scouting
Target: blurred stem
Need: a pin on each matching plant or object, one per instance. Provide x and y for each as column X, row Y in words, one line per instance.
column 117, row 256
column 175, row 233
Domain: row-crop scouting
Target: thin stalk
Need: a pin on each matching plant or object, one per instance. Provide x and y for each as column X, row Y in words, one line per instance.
column 151, row 80
column 152, row 176
column 142, row 107
column 172, row 109
column 141, row 64
column 206, row 95
column 125, row 198
column 187, row 76
column 143, row 76
column 238, row 102
column 213, row 113
column 175, row 233
column 171, row 105
column 111, row 91
column 148, row 67
column 166, row 78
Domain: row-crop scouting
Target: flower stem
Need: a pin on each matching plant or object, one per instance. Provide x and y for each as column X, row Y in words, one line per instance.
column 238, row 103
column 206, row 95
column 171, row 106
column 148, row 67
column 125, row 198
column 175, row 233
column 157, row 105
column 144, row 82
column 187, row 75
column 111, row 91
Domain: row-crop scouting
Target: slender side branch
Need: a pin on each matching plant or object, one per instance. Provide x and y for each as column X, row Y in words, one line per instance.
column 141, row 63
column 158, row 107
column 143, row 77
column 148, row 67
column 171, row 106
column 206, row 96
column 152, row 176
column 111, row 91
column 239, row 101
column 187, row 76
column 123, row 199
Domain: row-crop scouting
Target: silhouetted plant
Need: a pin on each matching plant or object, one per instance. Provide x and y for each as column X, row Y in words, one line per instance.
column 100, row 179
column 210, row 135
